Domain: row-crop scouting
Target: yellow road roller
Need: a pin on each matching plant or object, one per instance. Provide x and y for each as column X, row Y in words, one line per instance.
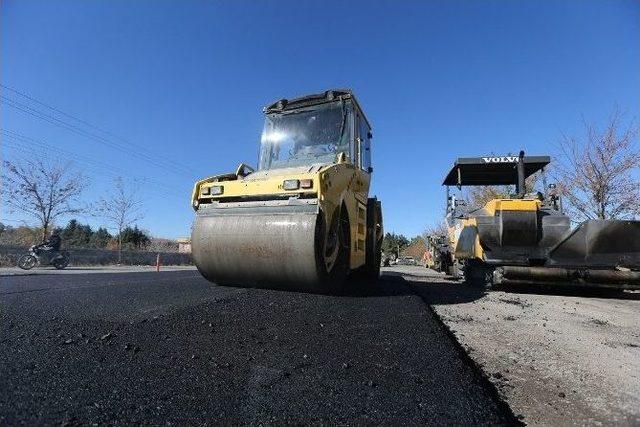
column 303, row 219
column 526, row 238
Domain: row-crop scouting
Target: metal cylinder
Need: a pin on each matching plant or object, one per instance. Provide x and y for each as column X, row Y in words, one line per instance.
column 553, row 275
column 258, row 248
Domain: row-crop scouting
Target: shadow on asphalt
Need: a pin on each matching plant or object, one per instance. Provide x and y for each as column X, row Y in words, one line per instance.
column 439, row 291
column 360, row 288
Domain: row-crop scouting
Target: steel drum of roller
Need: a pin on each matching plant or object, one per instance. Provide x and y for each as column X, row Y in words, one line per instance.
column 266, row 246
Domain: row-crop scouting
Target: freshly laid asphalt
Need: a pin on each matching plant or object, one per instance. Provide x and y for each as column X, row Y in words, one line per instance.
column 172, row 348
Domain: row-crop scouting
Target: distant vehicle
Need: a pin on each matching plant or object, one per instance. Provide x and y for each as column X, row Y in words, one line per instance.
column 406, row 261
column 40, row 255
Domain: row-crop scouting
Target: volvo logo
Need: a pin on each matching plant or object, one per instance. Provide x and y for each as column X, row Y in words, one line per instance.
column 503, row 159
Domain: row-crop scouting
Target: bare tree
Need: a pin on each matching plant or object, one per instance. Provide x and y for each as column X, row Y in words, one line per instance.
column 45, row 191
column 598, row 173
column 436, row 229
column 480, row 195
column 121, row 208
column 158, row 244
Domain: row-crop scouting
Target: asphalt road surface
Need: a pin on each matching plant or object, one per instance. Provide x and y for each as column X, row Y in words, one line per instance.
column 171, row 348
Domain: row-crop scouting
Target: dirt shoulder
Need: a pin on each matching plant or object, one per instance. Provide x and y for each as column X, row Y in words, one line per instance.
column 556, row 358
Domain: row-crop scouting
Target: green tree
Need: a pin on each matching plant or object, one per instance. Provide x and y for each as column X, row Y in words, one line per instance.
column 392, row 243
column 100, row 238
column 134, row 238
column 76, row 235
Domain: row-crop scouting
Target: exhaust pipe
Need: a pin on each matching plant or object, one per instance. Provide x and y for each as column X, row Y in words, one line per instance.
column 520, row 189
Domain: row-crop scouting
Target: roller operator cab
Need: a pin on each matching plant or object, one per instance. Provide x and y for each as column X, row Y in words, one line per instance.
column 525, row 238
column 303, row 219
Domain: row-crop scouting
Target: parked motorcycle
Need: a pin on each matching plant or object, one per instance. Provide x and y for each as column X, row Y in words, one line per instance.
column 38, row 255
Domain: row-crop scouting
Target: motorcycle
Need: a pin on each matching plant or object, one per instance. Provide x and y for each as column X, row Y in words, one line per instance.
column 38, row 255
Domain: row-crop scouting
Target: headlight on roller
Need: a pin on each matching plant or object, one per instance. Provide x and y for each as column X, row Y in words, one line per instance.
column 291, row 184
column 205, row 191
column 216, row 190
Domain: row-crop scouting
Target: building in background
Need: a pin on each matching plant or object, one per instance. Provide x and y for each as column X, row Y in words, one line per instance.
column 184, row 245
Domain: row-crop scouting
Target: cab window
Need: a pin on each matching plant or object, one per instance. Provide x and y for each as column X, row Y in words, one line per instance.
column 365, row 143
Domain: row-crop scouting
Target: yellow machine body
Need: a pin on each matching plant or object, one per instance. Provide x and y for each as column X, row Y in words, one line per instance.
column 332, row 185
column 463, row 233
column 526, row 238
column 304, row 220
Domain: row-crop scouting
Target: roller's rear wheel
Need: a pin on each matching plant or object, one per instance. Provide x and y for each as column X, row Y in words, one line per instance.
column 374, row 240
column 478, row 275
column 332, row 250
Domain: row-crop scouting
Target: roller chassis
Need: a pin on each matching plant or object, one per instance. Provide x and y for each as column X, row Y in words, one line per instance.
column 486, row 276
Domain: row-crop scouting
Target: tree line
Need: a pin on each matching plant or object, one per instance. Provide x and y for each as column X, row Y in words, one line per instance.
column 394, row 244
column 77, row 235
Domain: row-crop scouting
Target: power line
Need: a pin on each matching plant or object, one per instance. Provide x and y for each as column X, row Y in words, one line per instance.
column 30, row 151
column 16, row 135
column 158, row 162
column 91, row 125
column 79, row 131
column 24, row 144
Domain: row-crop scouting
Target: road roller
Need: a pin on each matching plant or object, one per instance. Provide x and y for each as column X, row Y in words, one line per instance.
column 526, row 238
column 302, row 219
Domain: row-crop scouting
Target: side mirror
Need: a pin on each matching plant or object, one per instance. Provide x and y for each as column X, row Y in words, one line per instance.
column 370, row 169
column 244, row 170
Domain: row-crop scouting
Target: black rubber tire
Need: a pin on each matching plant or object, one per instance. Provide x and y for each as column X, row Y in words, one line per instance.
column 373, row 257
column 61, row 263
column 477, row 274
column 332, row 280
column 27, row 262
column 453, row 270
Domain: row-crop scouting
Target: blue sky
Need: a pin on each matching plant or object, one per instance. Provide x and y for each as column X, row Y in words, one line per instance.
column 187, row 80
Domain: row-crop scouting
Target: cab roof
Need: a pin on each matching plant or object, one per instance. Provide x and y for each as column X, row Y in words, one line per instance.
column 492, row 170
column 314, row 99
